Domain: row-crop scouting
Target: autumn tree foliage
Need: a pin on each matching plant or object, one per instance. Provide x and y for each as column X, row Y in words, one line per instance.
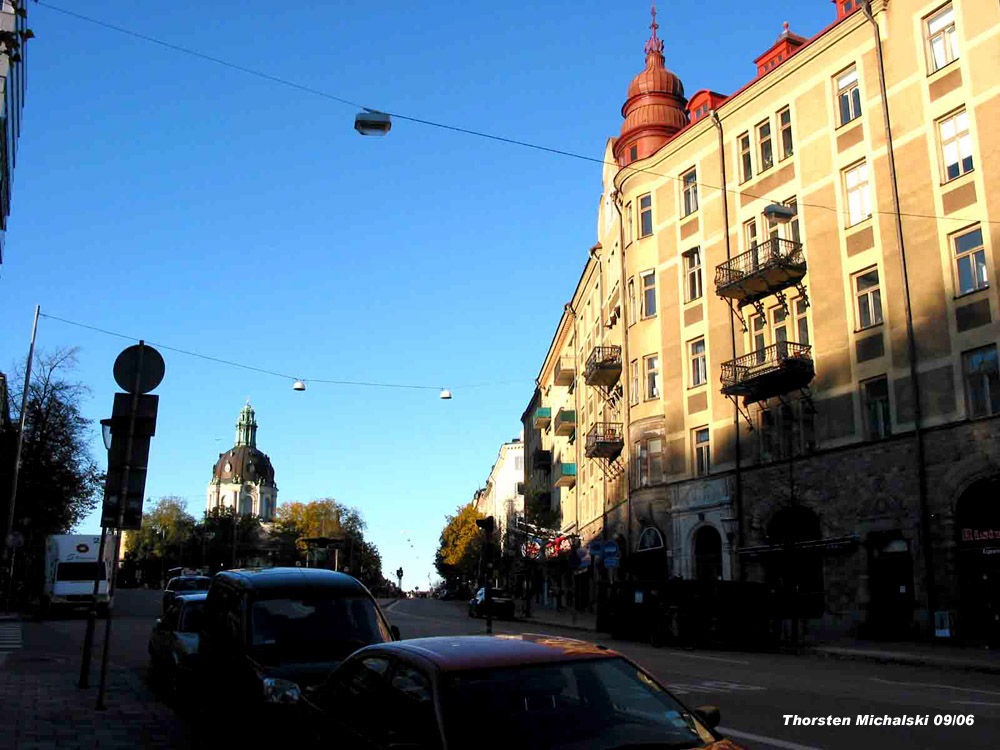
column 458, row 551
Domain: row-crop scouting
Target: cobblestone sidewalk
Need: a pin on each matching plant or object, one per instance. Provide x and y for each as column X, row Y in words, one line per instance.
column 41, row 708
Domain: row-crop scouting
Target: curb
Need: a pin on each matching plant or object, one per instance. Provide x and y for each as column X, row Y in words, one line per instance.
column 896, row 657
column 554, row 624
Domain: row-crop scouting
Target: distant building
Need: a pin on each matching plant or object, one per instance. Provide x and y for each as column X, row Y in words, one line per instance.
column 14, row 34
column 243, row 477
column 730, row 392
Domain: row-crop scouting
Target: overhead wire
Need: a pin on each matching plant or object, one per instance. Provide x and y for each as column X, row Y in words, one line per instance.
column 467, row 131
column 274, row 373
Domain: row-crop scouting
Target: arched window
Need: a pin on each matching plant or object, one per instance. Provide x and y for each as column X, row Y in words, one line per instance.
column 650, row 539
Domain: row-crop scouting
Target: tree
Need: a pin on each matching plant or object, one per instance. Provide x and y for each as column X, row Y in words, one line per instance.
column 325, row 517
column 59, row 482
column 167, row 528
column 460, row 544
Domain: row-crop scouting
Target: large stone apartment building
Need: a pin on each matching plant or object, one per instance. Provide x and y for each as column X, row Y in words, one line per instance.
column 780, row 361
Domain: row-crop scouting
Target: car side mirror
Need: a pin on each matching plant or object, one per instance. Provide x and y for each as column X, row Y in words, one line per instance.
column 394, row 629
column 710, row 715
column 282, row 692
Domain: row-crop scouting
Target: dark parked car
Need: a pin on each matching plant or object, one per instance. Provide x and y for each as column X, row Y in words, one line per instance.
column 501, row 604
column 527, row 691
column 183, row 585
column 264, row 630
column 173, row 644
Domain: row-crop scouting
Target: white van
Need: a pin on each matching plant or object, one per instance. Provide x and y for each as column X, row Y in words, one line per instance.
column 70, row 568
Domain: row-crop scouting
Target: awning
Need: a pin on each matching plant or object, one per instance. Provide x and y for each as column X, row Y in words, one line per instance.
column 826, row 545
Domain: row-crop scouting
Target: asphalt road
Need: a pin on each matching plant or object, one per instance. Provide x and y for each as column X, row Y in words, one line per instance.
column 754, row 691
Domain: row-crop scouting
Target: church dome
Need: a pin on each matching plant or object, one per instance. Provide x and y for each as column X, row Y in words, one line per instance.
column 655, row 108
column 243, row 463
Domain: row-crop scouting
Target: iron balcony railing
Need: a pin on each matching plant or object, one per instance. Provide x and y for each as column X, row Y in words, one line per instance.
column 605, row 440
column 775, row 257
column 604, row 365
column 775, row 369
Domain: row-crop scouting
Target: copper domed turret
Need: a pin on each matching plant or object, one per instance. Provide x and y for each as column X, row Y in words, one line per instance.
column 655, row 108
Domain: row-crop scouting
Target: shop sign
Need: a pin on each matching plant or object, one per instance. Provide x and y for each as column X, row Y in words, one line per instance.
column 559, row 546
column 980, row 535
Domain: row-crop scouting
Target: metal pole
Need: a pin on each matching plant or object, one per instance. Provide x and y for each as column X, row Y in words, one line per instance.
column 911, row 344
column 9, row 523
column 122, row 500
column 88, row 638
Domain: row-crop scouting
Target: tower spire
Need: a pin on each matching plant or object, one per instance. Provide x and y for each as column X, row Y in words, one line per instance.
column 654, row 44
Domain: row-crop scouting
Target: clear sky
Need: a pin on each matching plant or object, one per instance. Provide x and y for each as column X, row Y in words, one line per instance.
column 163, row 196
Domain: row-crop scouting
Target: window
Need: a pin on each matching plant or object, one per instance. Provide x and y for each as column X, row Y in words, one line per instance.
column 982, row 381
column 793, row 226
column 750, row 234
column 875, row 402
column 779, row 325
column 759, row 335
column 690, row 182
column 848, row 96
column 692, row 261
column 745, row 165
column 702, row 452
column 699, row 370
column 645, row 215
column 785, row 129
column 635, row 381
column 652, row 377
column 869, row 299
column 970, row 262
column 631, row 301
column 628, row 224
column 648, row 294
column 856, row 184
column 648, row 462
column 633, row 153
column 785, row 430
column 801, row 321
column 764, row 145
column 956, row 145
column 942, row 42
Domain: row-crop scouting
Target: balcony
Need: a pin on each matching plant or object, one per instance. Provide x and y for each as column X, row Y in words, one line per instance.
column 771, row 371
column 604, row 366
column 565, row 371
column 605, row 440
column 565, row 422
column 541, row 459
column 541, row 418
column 565, row 475
column 772, row 266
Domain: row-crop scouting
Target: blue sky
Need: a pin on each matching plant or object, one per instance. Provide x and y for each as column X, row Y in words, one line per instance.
column 165, row 197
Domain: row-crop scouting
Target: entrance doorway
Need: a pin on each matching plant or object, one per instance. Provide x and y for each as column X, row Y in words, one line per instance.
column 890, row 565
column 977, row 523
column 707, row 554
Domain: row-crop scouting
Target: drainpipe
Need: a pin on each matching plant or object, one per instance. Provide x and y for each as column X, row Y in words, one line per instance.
column 732, row 336
column 576, row 409
column 626, row 373
column 911, row 345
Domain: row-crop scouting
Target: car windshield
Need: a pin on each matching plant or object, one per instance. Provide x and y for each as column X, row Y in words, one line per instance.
column 316, row 628
column 190, row 621
column 80, row 571
column 597, row 704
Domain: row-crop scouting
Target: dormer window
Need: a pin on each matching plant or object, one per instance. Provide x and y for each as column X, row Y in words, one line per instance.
column 849, row 6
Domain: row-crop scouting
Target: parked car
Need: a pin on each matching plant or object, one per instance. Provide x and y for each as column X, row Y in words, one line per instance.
column 173, row 644
column 524, row 691
column 501, row 604
column 182, row 585
column 264, row 629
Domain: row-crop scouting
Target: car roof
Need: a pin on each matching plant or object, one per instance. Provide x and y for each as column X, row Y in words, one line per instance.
column 460, row 653
column 199, row 596
column 264, row 579
column 189, row 578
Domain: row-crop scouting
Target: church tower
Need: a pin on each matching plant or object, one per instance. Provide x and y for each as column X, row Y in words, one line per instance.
column 243, row 477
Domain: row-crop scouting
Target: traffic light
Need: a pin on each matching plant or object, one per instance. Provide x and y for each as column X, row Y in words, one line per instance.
column 486, row 524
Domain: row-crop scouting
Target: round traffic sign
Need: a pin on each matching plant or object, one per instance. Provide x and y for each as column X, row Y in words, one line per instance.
column 127, row 364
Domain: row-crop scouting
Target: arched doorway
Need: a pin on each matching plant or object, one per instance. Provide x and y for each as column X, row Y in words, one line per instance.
column 649, row 563
column 977, row 524
column 796, row 573
column 707, row 554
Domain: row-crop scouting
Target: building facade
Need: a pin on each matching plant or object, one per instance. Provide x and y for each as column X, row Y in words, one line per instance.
column 14, row 34
column 243, row 477
column 807, row 328
column 503, row 495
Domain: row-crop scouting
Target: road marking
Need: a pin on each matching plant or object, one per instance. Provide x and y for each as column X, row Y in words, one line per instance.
column 10, row 636
column 706, row 658
column 710, row 686
column 935, row 685
column 766, row 740
column 976, row 703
